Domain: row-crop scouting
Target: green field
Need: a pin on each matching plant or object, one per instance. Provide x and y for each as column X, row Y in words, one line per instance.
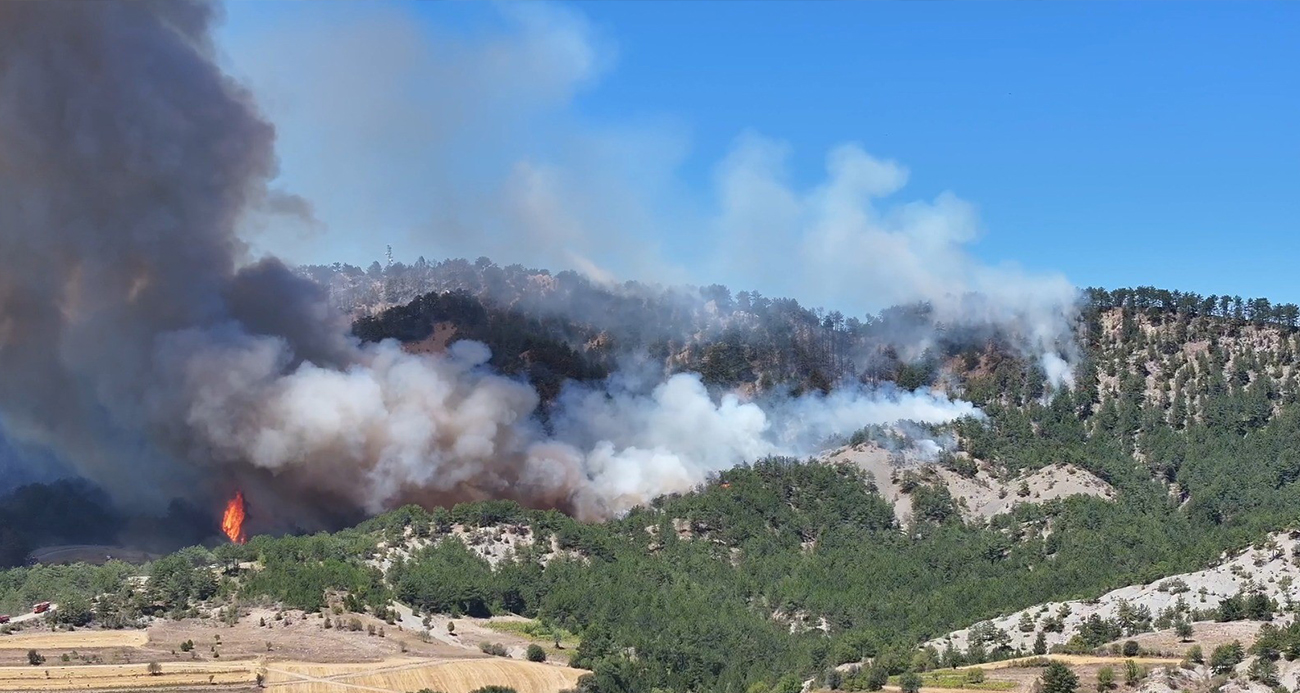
column 958, row 679
column 538, row 631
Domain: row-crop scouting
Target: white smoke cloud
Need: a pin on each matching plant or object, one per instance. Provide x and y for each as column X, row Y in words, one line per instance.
column 393, row 426
column 478, row 147
column 444, row 144
column 845, row 243
column 638, row 445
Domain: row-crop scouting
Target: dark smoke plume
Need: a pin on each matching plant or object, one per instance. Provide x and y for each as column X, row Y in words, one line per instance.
column 144, row 345
column 126, row 161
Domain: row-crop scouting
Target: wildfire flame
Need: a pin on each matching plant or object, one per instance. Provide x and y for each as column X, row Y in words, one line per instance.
column 232, row 523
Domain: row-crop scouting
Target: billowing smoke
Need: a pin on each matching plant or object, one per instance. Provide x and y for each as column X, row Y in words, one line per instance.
column 144, row 345
column 547, row 186
column 846, row 239
column 641, row 444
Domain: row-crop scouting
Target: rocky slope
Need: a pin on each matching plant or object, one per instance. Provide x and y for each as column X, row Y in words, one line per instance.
column 980, row 493
column 1268, row 569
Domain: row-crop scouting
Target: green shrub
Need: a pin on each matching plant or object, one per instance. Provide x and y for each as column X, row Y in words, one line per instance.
column 1057, row 678
column 535, row 653
column 1226, row 657
column 1105, row 679
column 1263, row 670
column 1133, row 674
column 877, row 677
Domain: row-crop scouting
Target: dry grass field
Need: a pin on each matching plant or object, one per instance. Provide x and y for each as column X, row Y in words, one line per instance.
column 127, row 676
column 296, row 653
column 1018, row 675
column 1206, row 634
column 77, row 639
column 1080, row 660
column 295, row 638
column 397, row 676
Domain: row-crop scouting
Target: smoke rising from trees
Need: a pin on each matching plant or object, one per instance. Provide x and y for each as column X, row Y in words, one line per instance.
column 504, row 163
column 147, row 347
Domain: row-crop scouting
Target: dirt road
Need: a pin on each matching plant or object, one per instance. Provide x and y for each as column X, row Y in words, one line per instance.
column 29, row 616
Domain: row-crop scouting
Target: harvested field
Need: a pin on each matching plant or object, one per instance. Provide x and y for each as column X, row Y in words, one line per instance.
column 127, row 676
column 298, row 637
column 73, row 640
column 296, row 652
column 398, row 676
column 1081, row 660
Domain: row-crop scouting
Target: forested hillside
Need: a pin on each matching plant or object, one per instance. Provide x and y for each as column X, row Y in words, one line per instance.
column 1187, row 407
column 771, row 573
column 1200, row 406
column 740, row 340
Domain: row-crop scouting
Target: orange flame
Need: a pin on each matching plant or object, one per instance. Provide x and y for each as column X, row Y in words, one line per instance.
column 233, row 521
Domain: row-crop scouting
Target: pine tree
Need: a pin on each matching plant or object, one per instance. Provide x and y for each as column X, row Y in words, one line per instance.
column 1057, row 678
column 1263, row 670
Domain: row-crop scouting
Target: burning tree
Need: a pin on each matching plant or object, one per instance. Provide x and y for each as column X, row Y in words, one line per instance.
column 232, row 523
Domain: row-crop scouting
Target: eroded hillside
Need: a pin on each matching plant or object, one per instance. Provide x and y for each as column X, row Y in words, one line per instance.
column 976, row 489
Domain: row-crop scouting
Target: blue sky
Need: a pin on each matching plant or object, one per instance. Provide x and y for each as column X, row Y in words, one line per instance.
column 1116, row 143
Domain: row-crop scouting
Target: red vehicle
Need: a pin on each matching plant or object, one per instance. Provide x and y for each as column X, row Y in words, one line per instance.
column 41, row 608
column 4, row 618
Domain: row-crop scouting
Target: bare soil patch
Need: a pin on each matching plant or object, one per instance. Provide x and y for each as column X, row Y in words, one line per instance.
column 435, row 343
column 1207, row 634
column 980, row 497
column 469, row 635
